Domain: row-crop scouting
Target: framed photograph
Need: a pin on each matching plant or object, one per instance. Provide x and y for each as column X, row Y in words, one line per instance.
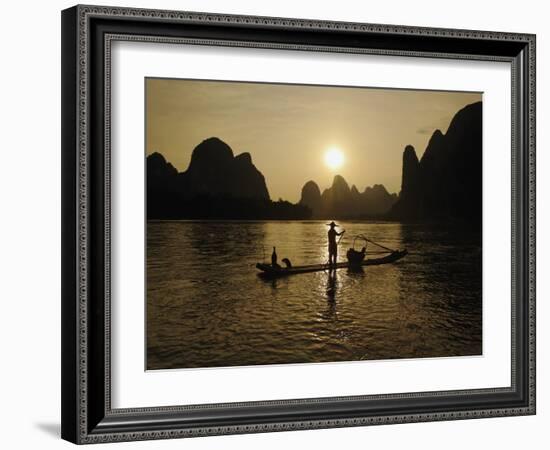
column 278, row 224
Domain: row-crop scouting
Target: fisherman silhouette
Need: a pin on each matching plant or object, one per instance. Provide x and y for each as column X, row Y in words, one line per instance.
column 332, row 244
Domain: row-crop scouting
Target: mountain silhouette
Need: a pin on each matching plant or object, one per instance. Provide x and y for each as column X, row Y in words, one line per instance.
column 214, row 170
column 216, row 184
column 447, row 181
column 311, row 197
column 340, row 201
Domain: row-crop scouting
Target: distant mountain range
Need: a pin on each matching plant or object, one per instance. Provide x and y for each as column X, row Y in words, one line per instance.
column 213, row 170
column 216, row 185
column 446, row 183
column 341, row 202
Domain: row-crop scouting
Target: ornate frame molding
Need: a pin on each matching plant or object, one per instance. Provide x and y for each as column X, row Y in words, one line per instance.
column 78, row 424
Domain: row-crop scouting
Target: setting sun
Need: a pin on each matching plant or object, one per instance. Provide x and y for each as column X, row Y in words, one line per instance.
column 334, row 158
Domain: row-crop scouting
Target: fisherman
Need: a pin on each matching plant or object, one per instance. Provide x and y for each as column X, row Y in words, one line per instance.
column 332, row 244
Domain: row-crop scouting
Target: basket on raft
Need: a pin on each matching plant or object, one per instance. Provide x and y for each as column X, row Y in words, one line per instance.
column 356, row 257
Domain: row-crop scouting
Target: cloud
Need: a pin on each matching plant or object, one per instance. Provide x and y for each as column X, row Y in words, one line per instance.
column 425, row 130
column 439, row 124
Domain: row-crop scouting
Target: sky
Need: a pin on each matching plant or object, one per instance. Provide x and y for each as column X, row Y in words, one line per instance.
column 288, row 129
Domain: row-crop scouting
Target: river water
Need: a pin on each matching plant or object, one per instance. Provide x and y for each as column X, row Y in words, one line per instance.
column 206, row 306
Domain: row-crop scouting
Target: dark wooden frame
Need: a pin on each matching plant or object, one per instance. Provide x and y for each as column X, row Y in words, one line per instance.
column 87, row 32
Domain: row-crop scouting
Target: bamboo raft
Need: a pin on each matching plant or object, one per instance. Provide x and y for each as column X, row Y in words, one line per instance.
column 269, row 271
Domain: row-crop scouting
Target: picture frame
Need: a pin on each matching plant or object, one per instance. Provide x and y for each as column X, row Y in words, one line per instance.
column 87, row 413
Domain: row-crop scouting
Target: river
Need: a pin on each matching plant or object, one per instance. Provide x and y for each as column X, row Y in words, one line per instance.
column 206, row 306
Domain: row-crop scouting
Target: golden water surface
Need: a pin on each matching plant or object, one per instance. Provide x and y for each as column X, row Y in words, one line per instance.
column 206, row 306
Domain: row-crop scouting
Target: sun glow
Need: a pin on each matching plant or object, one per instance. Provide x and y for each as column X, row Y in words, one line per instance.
column 334, row 158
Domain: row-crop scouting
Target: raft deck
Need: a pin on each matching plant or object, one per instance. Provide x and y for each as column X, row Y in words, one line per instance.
column 269, row 270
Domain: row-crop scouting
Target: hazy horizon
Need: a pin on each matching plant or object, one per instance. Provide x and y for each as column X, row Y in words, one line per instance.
column 288, row 129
